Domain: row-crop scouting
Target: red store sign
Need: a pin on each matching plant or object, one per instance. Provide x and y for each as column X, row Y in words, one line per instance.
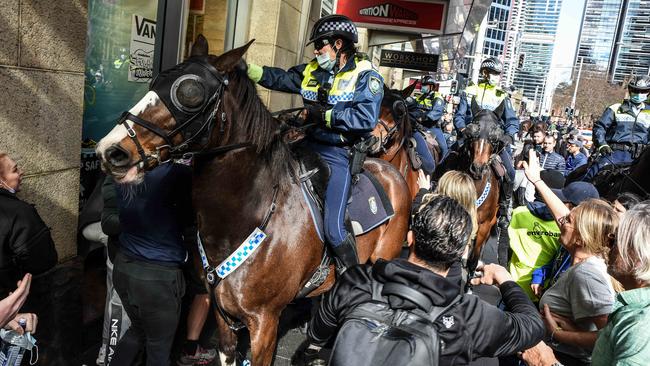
column 397, row 15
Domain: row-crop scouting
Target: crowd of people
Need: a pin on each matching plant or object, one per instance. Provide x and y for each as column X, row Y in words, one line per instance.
column 574, row 281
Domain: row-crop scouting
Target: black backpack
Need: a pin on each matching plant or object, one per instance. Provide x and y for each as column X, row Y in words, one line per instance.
column 374, row 334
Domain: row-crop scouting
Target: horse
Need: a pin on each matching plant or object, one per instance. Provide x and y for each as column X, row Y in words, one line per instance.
column 393, row 131
column 613, row 180
column 476, row 157
column 245, row 176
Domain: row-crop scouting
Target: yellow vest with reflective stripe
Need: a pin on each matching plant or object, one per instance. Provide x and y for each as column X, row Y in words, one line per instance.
column 343, row 86
column 643, row 117
column 487, row 96
column 428, row 102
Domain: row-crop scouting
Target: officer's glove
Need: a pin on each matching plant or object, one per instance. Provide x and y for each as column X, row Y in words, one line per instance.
column 605, row 150
column 507, row 139
column 315, row 114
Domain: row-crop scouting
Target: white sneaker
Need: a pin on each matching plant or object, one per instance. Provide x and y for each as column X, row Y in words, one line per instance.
column 101, row 356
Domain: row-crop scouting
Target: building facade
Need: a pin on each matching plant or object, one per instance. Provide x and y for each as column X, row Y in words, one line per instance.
column 597, row 34
column 539, row 27
column 631, row 49
column 511, row 59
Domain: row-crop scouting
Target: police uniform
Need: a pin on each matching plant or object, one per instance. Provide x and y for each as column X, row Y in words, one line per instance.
column 489, row 96
column 429, row 112
column 626, row 129
column 352, row 111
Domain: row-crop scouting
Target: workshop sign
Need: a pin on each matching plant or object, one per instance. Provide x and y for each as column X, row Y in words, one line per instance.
column 409, row 60
column 396, row 15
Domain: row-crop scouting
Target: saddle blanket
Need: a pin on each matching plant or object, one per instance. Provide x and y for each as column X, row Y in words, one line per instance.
column 368, row 206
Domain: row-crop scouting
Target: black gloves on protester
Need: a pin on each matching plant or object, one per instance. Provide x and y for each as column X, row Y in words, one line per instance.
column 315, row 114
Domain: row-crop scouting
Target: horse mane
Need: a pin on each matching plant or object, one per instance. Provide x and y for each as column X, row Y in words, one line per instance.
column 390, row 97
column 256, row 123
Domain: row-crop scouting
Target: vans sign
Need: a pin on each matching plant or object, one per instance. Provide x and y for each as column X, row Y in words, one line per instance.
column 143, row 39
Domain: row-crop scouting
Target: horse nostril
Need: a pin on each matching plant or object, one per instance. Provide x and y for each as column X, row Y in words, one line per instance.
column 117, row 156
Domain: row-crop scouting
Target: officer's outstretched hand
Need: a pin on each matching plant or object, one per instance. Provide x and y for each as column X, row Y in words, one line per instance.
column 605, row 150
column 315, row 114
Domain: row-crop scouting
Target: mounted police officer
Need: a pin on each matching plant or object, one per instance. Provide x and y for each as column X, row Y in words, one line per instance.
column 622, row 132
column 488, row 95
column 428, row 113
column 342, row 93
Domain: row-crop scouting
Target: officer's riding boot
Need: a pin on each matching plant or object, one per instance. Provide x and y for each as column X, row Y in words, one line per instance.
column 505, row 212
column 346, row 254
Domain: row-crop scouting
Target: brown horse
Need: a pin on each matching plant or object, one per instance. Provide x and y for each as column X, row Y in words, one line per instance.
column 244, row 177
column 393, row 132
column 482, row 142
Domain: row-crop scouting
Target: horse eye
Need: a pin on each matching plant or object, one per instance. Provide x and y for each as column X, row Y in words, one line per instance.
column 190, row 93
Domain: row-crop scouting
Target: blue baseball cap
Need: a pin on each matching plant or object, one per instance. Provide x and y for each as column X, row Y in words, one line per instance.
column 576, row 192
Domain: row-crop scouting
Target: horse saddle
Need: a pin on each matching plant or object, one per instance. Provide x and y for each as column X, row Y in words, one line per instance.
column 432, row 145
column 497, row 166
column 367, row 207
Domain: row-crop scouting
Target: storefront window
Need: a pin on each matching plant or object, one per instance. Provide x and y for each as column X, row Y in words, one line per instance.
column 119, row 60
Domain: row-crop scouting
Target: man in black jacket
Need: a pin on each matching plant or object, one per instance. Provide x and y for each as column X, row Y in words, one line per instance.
column 470, row 329
column 26, row 245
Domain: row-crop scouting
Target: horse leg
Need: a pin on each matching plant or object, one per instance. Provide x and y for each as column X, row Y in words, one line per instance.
column 263, row 329
column 227, row 342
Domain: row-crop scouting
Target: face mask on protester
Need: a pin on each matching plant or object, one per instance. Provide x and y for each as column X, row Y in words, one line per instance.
column 6, row 186
column 638, row 98
column 325, row 62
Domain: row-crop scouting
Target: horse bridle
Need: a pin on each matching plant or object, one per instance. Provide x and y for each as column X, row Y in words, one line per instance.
column 390, row 131
column 180, row 151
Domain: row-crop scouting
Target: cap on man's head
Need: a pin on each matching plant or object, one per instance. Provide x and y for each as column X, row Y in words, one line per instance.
column 577, row 192
column 576, row 142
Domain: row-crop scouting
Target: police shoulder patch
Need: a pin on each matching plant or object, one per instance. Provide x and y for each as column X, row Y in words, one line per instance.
column 374, row 84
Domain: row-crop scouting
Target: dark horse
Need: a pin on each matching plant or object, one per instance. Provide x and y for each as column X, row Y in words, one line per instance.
column 616, row 179
column 476, row 157
column 393, row 132
column 244, row 171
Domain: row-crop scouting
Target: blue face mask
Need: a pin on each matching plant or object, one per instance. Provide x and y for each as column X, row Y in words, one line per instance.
column 325, row 62
column 637, row 98
column 424, row 89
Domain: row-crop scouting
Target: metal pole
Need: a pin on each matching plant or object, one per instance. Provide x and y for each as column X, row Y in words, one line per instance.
column 575, row 91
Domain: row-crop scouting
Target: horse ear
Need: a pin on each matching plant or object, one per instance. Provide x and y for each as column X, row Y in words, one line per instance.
column 200, row 46
column 230, row 59
column 475, row 107
column 406, row 92
column 500, row 108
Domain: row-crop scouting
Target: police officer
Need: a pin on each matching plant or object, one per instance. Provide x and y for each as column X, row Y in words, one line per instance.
column 622, row 131
column 429, row 112
column 342, row 93
column 488, row 95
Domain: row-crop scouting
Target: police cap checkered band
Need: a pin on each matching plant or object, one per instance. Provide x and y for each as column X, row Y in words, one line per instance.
column 491, row 64
column 640, row 83
column 333, row 26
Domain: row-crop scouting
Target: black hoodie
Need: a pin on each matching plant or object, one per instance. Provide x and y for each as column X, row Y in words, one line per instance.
column 471, row 329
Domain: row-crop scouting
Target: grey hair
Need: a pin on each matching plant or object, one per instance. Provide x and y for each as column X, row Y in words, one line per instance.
column 633, row 239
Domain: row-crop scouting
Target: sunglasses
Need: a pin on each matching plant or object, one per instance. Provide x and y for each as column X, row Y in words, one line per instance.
column 320, row 43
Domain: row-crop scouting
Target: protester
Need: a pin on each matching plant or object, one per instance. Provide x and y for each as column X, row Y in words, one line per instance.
column 625, row 201
column 147, row 270
column 27, row 245
column 584, row 293
column 625, row 340
column 439, row 236
column 10, row 306
column 575, row 157
column 549, row 159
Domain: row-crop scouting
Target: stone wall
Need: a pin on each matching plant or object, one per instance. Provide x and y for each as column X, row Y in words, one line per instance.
column 275, row 26
column 42, row 51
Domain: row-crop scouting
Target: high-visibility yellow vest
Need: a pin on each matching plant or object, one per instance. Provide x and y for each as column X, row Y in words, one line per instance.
column 534, row 243
column 343, row 86
column 487, row 96
column 427, row 103
column 642, row 118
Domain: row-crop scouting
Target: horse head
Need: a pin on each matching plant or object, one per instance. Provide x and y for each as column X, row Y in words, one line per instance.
column 393, row 122
column 188, row 108
column 484, row 138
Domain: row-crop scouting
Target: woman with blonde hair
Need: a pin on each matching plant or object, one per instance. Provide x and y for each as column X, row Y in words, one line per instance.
column 459, row 186
column 580, row 301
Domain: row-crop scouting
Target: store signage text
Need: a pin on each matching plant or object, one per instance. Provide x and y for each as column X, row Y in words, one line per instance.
column 396, row 15
column 409, row 60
